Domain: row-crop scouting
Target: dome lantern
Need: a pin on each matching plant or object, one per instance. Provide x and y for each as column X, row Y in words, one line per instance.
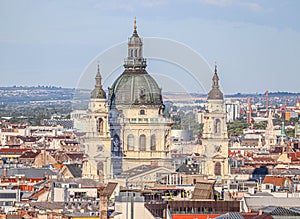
column 135, row 58
column 135, row 87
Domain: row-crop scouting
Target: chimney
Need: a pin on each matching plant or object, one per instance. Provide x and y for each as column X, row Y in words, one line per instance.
column 249, row 111
column 267, row 99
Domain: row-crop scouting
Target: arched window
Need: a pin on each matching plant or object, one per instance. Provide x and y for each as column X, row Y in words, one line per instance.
column 218, row 169
column 135, row 52
column 142, row 143
column 217, row 127
column 153, row 143
column 100, row 168
column 100, row 126
column 130, row 142
column 131, row 53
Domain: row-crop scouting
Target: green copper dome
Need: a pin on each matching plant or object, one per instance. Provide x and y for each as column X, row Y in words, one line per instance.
column 135, row 87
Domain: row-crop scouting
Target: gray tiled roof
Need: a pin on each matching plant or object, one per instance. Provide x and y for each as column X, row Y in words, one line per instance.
column 259, row 194
column 136, row 171
column 75, row 206
column 231, row 215
column 259, row 202
column 75, row 170
column 295, row 210
column 189, row 168
column 109, row 189
column 273, row 210
column 28, row 172
column 82, row 181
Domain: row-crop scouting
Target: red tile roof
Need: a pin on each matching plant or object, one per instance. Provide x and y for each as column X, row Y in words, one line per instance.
column 275, row 180
column 295, row 156
column 29, row 154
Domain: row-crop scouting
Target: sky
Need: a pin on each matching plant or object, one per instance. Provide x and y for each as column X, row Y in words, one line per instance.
column 255, row 43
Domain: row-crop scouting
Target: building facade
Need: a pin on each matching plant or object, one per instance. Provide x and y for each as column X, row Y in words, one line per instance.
column 214, row 162
column 270, row 135
column 141, row 133
column 97, row 138
column 233, row 110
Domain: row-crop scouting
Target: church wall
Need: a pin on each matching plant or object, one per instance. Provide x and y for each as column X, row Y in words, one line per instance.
column 215, row 138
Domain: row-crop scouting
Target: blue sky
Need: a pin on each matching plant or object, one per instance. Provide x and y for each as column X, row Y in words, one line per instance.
column 50, row 42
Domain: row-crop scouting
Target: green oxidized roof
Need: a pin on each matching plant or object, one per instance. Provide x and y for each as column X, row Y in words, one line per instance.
column 136, row 87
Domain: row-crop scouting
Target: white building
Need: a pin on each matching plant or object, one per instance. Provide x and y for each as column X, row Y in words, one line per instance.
column 232, row 110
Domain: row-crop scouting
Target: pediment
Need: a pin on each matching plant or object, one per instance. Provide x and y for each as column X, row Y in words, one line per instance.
column 218, row 156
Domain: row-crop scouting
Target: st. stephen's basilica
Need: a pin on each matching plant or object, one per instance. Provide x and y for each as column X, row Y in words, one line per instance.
column 128, row 126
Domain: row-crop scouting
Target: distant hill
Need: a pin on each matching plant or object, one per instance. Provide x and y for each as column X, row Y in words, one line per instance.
column 24, row 94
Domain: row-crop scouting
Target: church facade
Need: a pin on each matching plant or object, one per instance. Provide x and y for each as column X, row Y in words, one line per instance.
column 128, row 128
column 140, row 132
column 214, row 162
column 97, row 138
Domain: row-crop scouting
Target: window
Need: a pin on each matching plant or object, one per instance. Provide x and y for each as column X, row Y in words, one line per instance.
column 142, row 112
column 8, row 195
column 130, row 142
column 100, row 126
column 153, row 143
column 218, row 169
column 135, row 52
column 217, row 126
column 142, row 143
column 233, row 186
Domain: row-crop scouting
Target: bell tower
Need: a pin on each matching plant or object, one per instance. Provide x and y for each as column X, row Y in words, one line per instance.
column 215, row 140
column 270, row 135
column 97, row 139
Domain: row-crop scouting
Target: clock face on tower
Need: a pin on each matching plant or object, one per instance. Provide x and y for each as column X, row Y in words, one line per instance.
column 100, row 148
column 217, row 148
